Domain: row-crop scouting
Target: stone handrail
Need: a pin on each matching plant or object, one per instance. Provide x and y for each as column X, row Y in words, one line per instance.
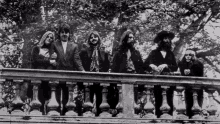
column 127, row 105
column 38, row 74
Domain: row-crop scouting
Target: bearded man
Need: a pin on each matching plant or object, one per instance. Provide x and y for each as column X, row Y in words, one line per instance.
column 161, row 61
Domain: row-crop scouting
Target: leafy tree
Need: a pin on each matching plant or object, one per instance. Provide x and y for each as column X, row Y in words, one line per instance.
column 186, row 18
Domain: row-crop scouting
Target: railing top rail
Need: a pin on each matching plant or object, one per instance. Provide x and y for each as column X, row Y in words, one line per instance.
column 77, row 76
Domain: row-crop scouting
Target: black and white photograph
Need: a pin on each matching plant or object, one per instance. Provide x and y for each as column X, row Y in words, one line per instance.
column 110, row 61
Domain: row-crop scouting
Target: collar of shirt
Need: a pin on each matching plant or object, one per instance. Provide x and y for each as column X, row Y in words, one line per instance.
column 64, row 44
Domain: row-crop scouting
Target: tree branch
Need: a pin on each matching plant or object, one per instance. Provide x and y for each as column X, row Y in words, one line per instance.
column 210, row 63
column 212, row 52
column 188, row 34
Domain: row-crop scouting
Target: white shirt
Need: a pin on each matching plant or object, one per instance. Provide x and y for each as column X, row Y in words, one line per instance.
column 64, row 44
column 163, row 53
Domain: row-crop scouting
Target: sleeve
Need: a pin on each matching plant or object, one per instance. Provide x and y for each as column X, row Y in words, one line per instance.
column 83, row 58
column 106, row 63
column 148, row 61
column 52, row 48
column 115, row 63
column 38, row 59
column 173, row 65
column 77, row 60
column 197, row 69
column 141, row 67
column 181, row 68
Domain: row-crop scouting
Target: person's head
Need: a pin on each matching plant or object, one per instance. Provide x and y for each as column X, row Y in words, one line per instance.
column 127, row 39
column 164, row 39
column 94, row 38
column 47, row 39
column 64, row 32
column 189, row 55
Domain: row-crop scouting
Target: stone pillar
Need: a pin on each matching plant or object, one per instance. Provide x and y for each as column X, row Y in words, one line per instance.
column 87, row 105
column 70, row 104
column 196, row 109
column 128, row 99
column 119, row 106
column 35, row 103
column 17, row 103
column 165, row 108
column 149, row 106
column 3, row 109
column 212, row 107
column 104, row 105
column 53, row 104
column 181, row 106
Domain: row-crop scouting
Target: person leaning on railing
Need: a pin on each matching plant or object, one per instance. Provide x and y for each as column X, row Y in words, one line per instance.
column 161, row 61
column 190, row 66
column 42, row 58
column 67, row 59
column 95, row 59
column 126, row 60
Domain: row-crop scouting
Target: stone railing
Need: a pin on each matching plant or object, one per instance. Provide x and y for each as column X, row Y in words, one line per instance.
column 128, row 109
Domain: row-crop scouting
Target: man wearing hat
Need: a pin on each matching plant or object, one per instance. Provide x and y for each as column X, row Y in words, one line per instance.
column 162, row 61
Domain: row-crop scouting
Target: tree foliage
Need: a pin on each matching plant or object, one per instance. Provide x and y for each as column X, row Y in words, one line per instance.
column 186, row 18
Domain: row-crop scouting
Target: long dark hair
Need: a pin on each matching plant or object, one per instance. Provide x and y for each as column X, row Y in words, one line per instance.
column 124, row 39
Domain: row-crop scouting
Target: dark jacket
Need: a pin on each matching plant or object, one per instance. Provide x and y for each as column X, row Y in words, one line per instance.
column 119, row 61
column 196, row 67
column 39, row 61
column 86, row 54
column 70, row 60
column 155, row 57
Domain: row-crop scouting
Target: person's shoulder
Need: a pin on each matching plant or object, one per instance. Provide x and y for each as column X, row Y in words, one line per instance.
column 55, row 43
column 35, row 48
column 84, row 50
column 198, row 62
column 73, row 44
column 154, row 51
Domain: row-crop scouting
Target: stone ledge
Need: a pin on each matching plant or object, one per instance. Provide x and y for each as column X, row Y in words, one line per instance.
column 12, row 119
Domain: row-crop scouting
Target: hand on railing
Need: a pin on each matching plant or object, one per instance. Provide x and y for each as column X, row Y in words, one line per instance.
column 27, row 107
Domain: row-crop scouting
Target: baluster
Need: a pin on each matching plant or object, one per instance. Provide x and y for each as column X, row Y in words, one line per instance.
column 149, row 106
column 104, row 105
column 137, row 107
column 70, row 104
column 119, row 106
column 53, row 104
column 87, row 105
column 181, row 106
column 165, row 108
column 212, row 107
column 17, row 103
column 196, row 109
column 35, row 103
column 3, row 109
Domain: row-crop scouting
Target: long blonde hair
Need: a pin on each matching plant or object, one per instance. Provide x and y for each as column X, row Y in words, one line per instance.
column 44, row 37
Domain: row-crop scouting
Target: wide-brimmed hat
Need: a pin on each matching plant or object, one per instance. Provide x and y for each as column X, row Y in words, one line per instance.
column 163, row 34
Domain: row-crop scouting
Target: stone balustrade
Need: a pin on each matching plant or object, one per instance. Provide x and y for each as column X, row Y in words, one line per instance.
column 128, row 110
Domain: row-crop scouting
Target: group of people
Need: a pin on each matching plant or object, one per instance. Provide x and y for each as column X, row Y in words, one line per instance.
column 62, row 54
